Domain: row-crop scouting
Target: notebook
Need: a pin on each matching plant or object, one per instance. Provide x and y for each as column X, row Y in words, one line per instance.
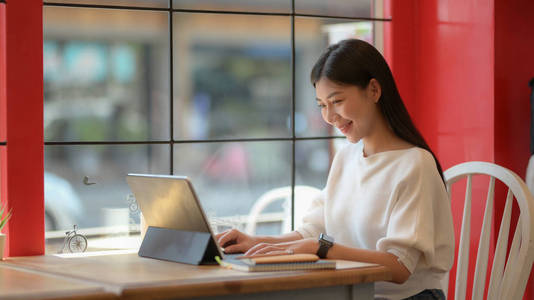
column 291, row 262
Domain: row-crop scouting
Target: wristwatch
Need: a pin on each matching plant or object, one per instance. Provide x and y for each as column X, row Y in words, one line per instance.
column 325, row 243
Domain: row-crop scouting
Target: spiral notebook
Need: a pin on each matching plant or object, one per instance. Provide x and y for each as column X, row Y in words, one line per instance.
column 279, row 263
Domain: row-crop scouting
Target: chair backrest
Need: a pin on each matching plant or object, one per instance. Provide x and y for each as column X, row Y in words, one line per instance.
column 303, row 196
column 509, row 275
column 529, row 177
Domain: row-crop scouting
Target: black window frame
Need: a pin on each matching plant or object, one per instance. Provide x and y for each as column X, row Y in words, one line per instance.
column 171, row 141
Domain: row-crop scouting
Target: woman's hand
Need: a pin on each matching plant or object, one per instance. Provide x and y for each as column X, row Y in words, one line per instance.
column 309, row 245
column 235, row 241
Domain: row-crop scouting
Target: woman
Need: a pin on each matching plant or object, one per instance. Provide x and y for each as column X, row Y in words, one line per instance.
column 385, row 200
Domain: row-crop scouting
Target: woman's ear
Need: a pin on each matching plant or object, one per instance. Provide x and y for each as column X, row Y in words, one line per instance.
column 374, row 89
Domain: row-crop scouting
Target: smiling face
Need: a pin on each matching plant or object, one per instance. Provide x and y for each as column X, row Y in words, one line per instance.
column 353, row 110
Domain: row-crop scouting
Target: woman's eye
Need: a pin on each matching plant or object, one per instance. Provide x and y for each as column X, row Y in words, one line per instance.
column 337, row 101
column 320, row 105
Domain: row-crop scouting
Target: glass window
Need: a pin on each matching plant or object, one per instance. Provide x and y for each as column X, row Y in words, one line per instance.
column 229, row 178
column 107, row 109
column 312, row 36
column 335, row 8
column 232, row 76
column 86, row 186
column 312, row 162
column 106, row 75
column 266, row 6
column 134, row 3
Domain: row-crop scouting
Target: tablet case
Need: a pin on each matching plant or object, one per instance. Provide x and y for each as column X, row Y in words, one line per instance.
column 179, row 246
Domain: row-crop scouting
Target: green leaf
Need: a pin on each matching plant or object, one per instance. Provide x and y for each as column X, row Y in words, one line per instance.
column 4, row 219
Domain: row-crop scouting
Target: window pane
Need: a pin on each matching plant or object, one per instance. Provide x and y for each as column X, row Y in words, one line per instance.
column 86, row 185
column 229, row 179
column 335, row 8
column 271, row 6
column 312, row 36
column 106, row 75
column 135, row 3
column 232, row 76
column 312, row 161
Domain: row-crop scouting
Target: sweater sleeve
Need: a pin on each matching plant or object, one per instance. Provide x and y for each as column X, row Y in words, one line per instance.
column 313, row 220
column 419, row 212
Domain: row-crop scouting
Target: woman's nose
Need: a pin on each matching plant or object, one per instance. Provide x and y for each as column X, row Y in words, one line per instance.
column 330, row 115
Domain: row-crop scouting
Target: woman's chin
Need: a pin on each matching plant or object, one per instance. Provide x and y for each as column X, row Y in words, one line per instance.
column 352, row 139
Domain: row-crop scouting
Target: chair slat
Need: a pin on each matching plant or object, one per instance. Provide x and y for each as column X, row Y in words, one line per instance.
column 448, row 187
column 509, row 273
column 511, row 276
column 525, row 274
column 463, row 250
column 500, row 249
column 483, row 245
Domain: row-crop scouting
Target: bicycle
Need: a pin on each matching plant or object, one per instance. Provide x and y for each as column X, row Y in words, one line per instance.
column 74, row 242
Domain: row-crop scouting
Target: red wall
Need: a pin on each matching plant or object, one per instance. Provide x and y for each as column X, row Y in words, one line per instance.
column 455, row 104
column 442, row 59
column 23, row 126
column 3, row 169
column 2, row 73
column 462, row 68
column 514, row 67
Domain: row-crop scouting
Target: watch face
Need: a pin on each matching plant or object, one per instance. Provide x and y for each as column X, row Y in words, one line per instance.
column 326, row 238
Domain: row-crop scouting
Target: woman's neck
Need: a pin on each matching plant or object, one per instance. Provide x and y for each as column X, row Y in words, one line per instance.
column 381, row 139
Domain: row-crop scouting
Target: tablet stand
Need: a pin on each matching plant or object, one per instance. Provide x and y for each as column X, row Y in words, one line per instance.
column 179, row 246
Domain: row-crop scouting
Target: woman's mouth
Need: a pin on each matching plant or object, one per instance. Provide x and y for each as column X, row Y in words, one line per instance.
column 345, row 128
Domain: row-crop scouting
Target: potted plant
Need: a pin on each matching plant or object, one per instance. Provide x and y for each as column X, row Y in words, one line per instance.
column 4, row 217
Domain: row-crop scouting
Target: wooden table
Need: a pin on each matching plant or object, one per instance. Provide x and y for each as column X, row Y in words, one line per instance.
column 24, row 284
column 129, row 276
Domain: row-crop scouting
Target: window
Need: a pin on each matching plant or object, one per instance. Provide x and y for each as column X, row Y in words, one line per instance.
column 215, row 90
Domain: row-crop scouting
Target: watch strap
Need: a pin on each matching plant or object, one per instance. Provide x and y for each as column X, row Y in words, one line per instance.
column 323, row 250
column 325, row 243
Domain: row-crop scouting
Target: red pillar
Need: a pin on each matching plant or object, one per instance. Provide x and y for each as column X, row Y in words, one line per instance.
column 462, row 69
column 514, row 67
column 21, row 97
column 399, row 48
column 443, row 61
column 3, row 137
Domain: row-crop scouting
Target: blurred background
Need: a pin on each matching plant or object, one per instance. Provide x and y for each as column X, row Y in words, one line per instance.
column 215, row 90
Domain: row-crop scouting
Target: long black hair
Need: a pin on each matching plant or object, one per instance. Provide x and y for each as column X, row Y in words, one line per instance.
column 356, row 62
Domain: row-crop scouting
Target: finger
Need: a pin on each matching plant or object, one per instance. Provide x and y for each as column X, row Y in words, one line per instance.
column 218, row 235
column 221, row 239
column 290, row 251
column 235, row 248
column 227, row 237
column 254, row 256
column 277, row 252
column 256, row 248
column 266, row 250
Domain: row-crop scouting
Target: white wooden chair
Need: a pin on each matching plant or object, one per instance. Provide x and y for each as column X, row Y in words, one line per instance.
column 509, row 275
column 529, row 177
column 303, row 196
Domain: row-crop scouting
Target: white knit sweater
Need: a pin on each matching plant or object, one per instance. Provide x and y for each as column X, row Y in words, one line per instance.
column 392, row 201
